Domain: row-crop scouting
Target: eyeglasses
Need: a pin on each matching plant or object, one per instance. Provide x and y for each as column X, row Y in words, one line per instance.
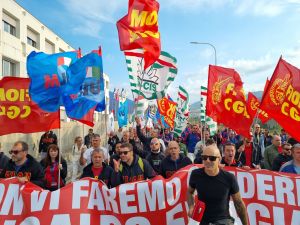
column 15, row 152
column 287, row 149
column 210, row 157
column 124, row 152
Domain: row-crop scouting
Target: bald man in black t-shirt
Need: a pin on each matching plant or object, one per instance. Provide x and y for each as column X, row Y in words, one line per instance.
column 214, row 188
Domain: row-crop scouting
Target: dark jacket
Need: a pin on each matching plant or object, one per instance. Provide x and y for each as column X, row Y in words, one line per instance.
column 145, row 140
column 3, row 161
column 134, row 172
column 48, row 177
column 112, row 141
column 105, row 175
column 111, row 160
column 47, row 139
column 280, row 160
column 169, row 167
column 155, row 160
column 31, row 169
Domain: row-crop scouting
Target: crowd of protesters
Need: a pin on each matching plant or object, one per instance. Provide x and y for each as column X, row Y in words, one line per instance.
column 138, row 154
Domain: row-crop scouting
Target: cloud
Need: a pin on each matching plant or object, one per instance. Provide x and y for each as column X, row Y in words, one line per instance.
column 269, row 8
column 88, row 16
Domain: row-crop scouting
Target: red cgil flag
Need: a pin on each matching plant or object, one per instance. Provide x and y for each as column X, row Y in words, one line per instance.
column 253, row 104
column 281, row 100
column 139, row 29
column 226, row 102
column 18, row 113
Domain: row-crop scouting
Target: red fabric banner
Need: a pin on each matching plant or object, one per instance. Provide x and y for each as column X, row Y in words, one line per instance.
column 139, row 29
column 226, row 102
column 167, row 108
column 18, row 114
column 253, row 105
column 270, row 198
column 281, row 100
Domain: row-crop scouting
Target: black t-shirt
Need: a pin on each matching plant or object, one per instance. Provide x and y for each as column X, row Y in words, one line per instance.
column 215, row 192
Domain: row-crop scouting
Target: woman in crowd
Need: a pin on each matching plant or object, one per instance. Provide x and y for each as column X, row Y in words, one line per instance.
column 77, row 148
column 52, row 168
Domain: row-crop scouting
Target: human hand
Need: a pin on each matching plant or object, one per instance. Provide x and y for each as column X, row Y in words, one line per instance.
column 138, row 120
column 22, row 179
column 117, row 165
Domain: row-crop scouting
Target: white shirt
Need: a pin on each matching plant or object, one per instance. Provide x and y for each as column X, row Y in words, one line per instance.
column 88, row 154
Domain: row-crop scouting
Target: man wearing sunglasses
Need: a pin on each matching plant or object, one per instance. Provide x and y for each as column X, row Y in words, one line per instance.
column 130, row 167
column 283, row 157
column 214, row 188
column 293, row 166
column 23, row 166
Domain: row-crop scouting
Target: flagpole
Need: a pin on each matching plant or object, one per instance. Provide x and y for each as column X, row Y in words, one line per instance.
column 59, row 158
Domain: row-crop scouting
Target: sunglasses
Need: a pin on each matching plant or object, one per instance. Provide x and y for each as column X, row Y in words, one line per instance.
column 15, row 152
column 287, row 149
column 210, row 157
column 124, row 152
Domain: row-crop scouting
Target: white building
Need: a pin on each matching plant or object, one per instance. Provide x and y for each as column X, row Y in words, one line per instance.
column 22, row 33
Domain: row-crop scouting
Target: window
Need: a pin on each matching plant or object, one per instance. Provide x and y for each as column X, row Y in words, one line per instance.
column 31, row 42
column 49, row 47
column 32, row 38
column 8, row 68
column 9, row 24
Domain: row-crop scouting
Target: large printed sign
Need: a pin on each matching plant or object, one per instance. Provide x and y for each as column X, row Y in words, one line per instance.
column 18, row 113
column 270, row 198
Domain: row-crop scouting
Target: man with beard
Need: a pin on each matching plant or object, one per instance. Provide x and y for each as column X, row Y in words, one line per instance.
column 155, row 157
column 283, row 157
column 130, row 167
column 23, row 166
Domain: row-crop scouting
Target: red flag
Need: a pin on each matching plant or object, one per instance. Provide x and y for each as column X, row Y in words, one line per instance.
column 253, row 105
column 139, row 29
column 226, row 101
column 18, row 113
column 281, row 100
column 167, row 108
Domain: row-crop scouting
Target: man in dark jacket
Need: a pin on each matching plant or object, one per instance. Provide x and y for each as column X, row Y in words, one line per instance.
column 47, row 139
column 174, row 161
column 130, row 167
column 283, row 157
column 112, row 141
column 3, row 160
column 23, row 166
column 98, row 169
column 155, row 157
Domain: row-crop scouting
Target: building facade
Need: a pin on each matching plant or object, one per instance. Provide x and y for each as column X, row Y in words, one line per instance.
column 22, row 33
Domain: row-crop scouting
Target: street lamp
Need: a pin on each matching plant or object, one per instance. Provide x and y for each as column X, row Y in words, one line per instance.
column 206, row 43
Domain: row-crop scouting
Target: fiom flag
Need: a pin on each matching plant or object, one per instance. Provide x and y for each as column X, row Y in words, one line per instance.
column 281, row 100
column 153, row 82
column 139, row 29
column 18, row 113
column 253, row 108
